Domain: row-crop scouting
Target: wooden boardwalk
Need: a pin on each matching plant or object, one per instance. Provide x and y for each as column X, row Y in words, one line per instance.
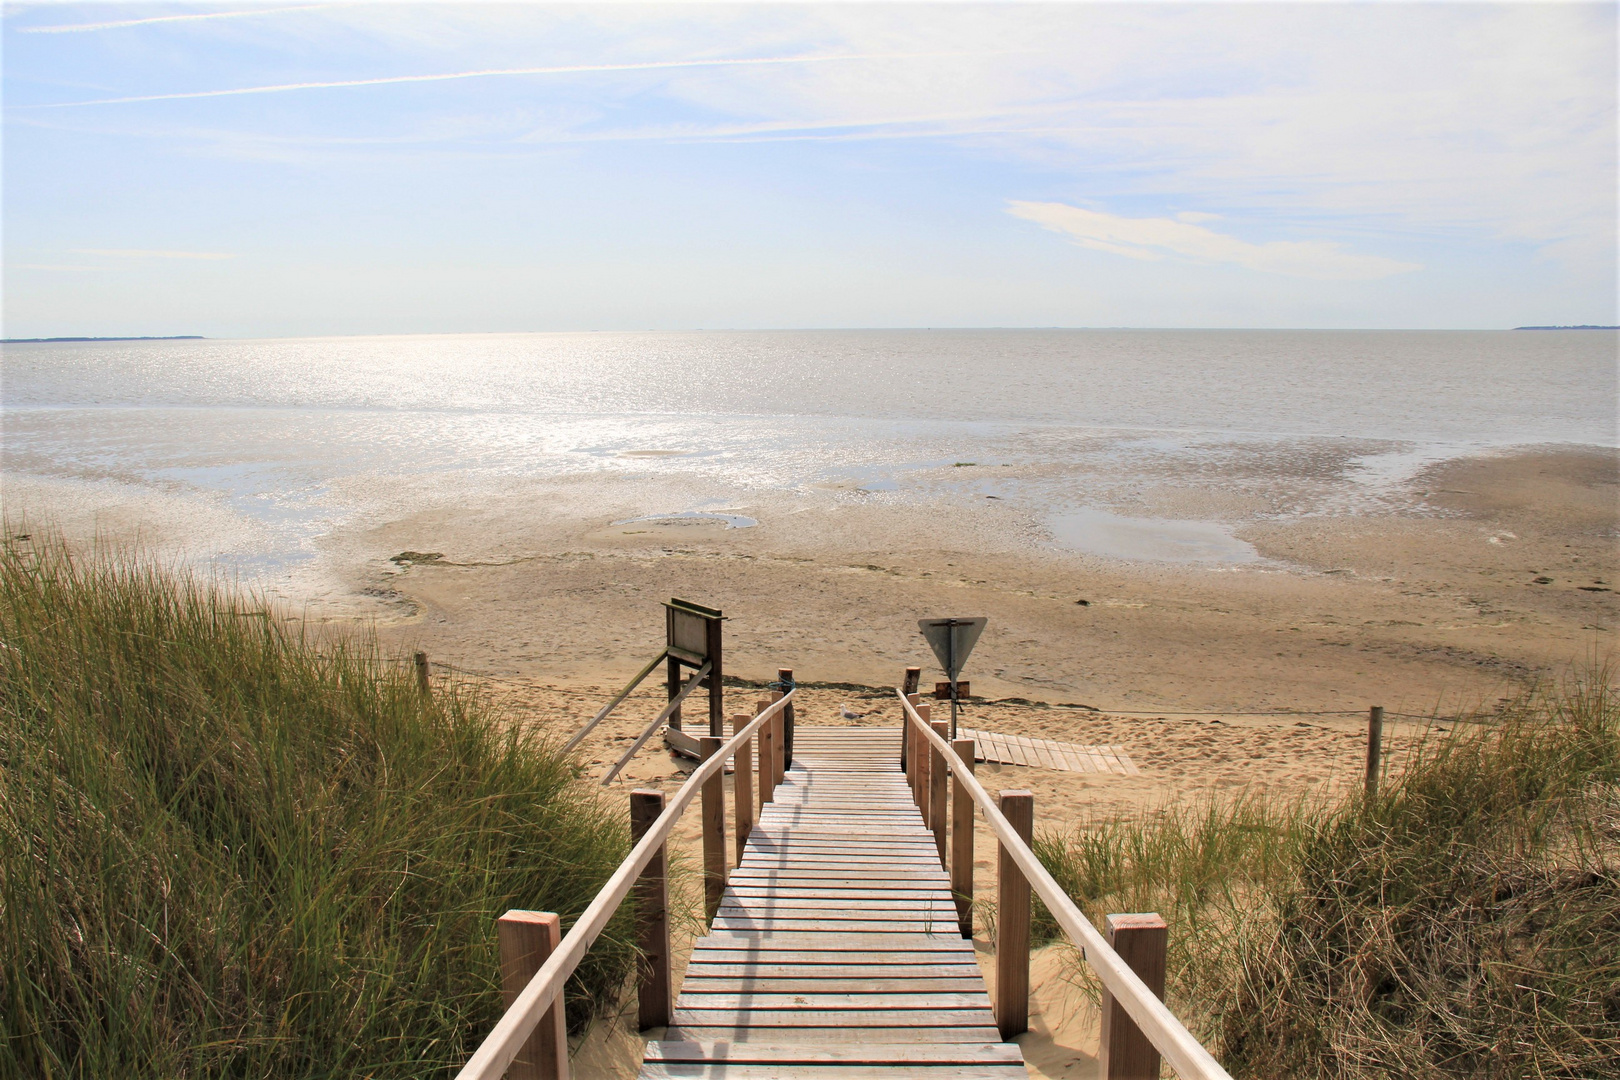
column 835, row 952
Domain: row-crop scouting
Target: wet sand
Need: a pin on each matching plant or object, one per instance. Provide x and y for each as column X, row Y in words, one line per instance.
column 1495, row 572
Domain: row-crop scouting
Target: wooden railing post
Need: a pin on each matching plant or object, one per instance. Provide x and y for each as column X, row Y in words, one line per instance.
column 1126, row 1053
column 785, row 677
column 779, row 754
column 767, row 757
column 962, row 836
column 913, row 674
column 423, row 673
column 1012, row 920
column 1375, row 747
column 905, row 728
column 919, row 759
column 937, row 781
column 527, row 939
column 714, row 829
column 654, row 988
column 742, row 784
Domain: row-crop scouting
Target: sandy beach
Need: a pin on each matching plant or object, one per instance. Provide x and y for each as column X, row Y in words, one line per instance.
column 1491, row 573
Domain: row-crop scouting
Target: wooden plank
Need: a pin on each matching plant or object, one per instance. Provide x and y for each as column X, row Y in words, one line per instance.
column 835, row 1036
column 713, row 969
column 792, row 984
column 866, row 1053
column 726, row 1071
column 830, row 1018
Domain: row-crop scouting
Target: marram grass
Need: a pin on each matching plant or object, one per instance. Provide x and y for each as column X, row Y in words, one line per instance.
column 1463, row 923
column 229, row 851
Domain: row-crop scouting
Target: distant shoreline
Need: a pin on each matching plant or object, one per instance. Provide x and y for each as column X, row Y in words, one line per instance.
column 50, row 340
column 1581, row 327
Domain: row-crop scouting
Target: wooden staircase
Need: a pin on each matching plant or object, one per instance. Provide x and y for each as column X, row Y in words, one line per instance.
column 835, row 951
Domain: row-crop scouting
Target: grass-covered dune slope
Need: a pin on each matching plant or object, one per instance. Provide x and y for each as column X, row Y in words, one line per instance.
column 1465, row 922
column 227, row 851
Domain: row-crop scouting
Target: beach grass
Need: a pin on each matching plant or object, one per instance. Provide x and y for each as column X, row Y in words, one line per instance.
column 228, row 848
column 1463, row 922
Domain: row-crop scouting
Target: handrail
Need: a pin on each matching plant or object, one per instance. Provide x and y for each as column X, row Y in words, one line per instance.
column 1185, row 1054
column 647, row 732
column 610, row 706
column 502, row 1044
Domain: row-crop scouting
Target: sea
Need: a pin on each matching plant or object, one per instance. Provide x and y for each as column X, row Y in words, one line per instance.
column 1132, row 444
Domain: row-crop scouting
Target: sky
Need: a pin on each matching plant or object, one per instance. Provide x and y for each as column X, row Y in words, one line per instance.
column 372, row 168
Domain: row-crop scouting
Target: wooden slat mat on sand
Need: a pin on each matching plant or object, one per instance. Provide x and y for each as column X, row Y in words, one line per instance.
column 1046, row 754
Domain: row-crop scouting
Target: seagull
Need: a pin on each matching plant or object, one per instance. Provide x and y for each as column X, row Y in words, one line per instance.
column 850, row 714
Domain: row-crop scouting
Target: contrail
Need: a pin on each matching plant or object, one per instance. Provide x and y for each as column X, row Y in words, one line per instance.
column 576, row 69
column 79, row 28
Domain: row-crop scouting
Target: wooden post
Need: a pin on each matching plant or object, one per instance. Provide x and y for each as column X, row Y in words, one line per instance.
column 1126, row 1053
column 919, row 756
column 767, row 757
column 779, row 747
column 912, row 675
column 905, row 733
column 422, row 673
column 924, row 775
column 654, row 988
column 714, row 829
column 785, row 677
column 1012, row 921
column 937, row 780
column 672, row 681
column 716, row 684
column 527, row 939
column 742, row 784
column 962, row 837
column 1375, row 747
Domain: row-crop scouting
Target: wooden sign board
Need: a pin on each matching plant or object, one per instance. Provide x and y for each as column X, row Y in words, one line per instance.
column 689, row 628
column 693, row 635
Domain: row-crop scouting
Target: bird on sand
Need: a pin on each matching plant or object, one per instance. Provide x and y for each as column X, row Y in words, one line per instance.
column 850, row 714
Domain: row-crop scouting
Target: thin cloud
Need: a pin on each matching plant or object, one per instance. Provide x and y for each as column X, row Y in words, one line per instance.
column 80, row 28
column 1153, row 238
column 144, row 253
column 493, row 73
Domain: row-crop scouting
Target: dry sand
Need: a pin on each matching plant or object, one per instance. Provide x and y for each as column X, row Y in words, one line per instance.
column 1492, row 572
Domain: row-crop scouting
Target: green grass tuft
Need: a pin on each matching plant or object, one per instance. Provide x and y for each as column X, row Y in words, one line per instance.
column 227, row 850
column 1463, row 923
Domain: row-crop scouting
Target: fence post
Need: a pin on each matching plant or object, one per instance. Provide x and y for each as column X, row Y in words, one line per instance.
column 1012, row 921
column 919, row 758
column 924, row 771
column 779, row 758
column 767, row 757
column 1126, row 1053
column 527, row 939
column 422, row 674
column 910, row 686
column 785, row 677
column 714, row 829
column 742, row 784
column 654, row 988
column 962, row 837
column 1375, row 747
column 937, row 780
column 905, row 729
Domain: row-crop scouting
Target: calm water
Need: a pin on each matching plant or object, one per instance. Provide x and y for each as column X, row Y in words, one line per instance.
column 301, row 437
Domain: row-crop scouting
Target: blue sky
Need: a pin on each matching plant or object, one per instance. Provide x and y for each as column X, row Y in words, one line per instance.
column 316, row 168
